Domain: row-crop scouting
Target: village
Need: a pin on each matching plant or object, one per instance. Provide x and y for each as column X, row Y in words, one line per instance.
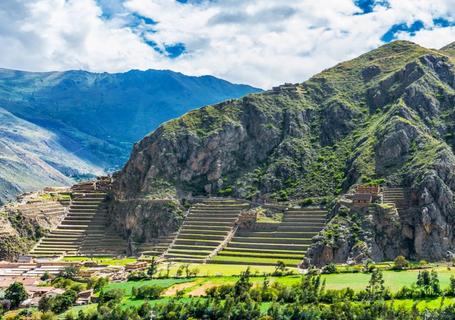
column 36, row 274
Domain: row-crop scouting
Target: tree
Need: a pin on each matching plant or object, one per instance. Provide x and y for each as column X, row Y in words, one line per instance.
column 375, row 289
column 46, row 276
column 451, row 289
column 179, row 271
column 45, row 304
column 16, row 293
column 243, row 285
column 115, row 295
column 168, row 269
column 100, row 283
column 153, row 268
column 64, row 301
column 280, row 267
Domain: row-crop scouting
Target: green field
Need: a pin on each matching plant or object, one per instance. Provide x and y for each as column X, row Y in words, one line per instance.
column 393, row 279
column 128, row 286
column 214, row 270
column 254, row 260
column 111, row 261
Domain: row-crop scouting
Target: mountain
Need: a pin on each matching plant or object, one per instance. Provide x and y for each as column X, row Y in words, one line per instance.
column 32, row 157
column 386, row 117
column 81, row 123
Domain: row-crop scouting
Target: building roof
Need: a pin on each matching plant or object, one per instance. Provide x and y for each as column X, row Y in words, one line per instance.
column 362, row 197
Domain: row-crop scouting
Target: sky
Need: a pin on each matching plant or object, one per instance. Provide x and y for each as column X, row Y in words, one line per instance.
column 257, row 42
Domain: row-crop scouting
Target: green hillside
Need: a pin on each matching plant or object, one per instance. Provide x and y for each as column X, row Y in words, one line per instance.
column 385, row 117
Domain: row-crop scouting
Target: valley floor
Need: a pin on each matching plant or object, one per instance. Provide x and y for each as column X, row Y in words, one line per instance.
column 210, row 276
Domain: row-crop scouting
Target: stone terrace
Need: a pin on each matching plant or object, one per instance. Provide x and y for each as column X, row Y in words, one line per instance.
column 288, row 243
column 205, row 228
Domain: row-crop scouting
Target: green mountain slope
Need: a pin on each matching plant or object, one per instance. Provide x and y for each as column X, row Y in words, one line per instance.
column 95, row 116
column 386, row 116
column 32, row 157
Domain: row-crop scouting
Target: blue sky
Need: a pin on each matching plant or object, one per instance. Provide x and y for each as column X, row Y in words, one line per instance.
column 259, row 42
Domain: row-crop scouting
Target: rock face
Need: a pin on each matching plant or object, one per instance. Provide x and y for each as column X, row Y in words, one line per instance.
column 142, row 220
column 386, row 116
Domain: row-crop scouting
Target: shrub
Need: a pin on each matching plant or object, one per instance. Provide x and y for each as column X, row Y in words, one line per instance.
column 114, row 295
column 330, row 268
column 147, row 292
column 63, row 301
column 137, row 275
column 400, row 263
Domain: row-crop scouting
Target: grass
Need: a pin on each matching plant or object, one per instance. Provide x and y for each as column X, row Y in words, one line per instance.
column 254, row 260
column 111, row 261
column 218, row 270
column 393, row 279
column 128, row 286
column 295, row 255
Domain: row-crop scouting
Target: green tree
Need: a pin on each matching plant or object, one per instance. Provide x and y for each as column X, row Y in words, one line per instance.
column 16, row 293
column 64, row 301
column 45, row 303
column 152, row 268
column 375, row 289
column 46, row 276
column 243, row 285
column 280, row 267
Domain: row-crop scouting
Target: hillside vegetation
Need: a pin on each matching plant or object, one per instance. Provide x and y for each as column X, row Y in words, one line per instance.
column 385, row 117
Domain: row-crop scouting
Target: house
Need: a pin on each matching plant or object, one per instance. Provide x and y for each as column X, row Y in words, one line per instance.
column 25, row 259
column 365, row 188
column 362, row 200
column 140, row 265
column 30, row 302
column 84, row 297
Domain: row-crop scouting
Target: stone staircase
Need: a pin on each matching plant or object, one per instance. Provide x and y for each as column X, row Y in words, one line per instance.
column 399, row 197
column 288, row 243
column 205, row 228
column 99, row 240
column 83, row 231
column 156, row 248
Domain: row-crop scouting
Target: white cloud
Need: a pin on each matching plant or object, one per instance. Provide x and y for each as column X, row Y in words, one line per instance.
column 260, row 42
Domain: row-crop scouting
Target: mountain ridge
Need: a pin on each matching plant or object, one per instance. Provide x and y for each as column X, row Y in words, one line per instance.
column 97, row 117
column 385, row 117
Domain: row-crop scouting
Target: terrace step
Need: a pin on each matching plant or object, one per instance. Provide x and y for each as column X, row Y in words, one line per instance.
column 301, row 247
column 271, row 240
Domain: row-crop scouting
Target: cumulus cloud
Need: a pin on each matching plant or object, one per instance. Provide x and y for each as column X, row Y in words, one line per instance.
column 260, row 42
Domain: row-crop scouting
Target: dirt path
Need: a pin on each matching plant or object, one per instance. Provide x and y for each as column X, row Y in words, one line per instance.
column 171, row 291
column 200, row 291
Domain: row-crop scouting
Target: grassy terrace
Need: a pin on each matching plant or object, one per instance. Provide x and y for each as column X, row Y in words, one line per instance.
column 254, row 260
column 204, row 229
column 288, row 243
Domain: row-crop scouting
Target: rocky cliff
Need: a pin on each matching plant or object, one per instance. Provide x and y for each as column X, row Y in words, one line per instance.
column 385, row 117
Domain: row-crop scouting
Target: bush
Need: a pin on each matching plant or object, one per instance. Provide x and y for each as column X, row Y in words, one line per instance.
column 147, row 292
column 400, row 263
column 330, row 268
column 114, row 295
column 63, row 301
column 137, row 275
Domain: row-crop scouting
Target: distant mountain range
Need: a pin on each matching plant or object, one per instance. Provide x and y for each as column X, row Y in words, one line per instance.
column 60, row 126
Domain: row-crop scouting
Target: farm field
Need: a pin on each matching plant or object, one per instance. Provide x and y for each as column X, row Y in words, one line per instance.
column 101, row 260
